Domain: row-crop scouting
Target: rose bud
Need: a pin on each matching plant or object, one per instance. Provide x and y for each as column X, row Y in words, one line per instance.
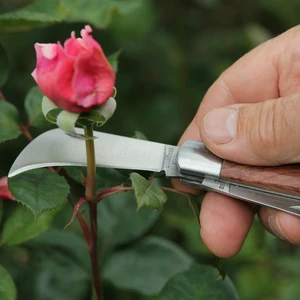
column 76, row 76
column 4, row 191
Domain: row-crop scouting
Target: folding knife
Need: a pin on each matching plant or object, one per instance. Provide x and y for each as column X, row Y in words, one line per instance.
column 192, row 163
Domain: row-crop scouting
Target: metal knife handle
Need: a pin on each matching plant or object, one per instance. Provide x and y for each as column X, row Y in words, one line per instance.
column 286, row 203
column 194, row 159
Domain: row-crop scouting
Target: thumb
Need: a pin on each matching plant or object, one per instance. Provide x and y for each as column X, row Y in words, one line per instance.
column 265, row 133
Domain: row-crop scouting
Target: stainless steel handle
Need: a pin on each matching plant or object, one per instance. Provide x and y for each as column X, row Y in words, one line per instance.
column 286, row 203
column 195, row 159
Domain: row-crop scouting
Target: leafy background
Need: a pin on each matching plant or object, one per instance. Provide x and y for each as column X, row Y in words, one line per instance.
column 171, row 52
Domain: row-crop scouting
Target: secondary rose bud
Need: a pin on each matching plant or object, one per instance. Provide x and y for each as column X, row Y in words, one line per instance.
column 76, row 76
column 4, row 191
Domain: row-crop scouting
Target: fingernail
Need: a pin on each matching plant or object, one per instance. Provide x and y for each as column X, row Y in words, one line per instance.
column 275, row 227
column 220, row 124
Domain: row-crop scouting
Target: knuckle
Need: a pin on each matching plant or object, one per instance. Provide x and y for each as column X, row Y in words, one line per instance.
column 292, row 48
column 289, row 35
column 294, row 31
column 267, row 131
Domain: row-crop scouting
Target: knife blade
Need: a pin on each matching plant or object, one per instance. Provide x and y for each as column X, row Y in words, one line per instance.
column 55, row 148
column 192, row 163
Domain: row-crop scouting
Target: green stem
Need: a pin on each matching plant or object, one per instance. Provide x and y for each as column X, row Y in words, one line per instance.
column 90, row 195
column 90, row 187
column 93, row 251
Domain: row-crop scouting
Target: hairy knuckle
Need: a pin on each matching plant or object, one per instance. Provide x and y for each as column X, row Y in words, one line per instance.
column 279, row 130
column 267, row 132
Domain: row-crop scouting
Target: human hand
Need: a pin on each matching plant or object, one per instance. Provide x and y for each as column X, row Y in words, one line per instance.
column 250, row 115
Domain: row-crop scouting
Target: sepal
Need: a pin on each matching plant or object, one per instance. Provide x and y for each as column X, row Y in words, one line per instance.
column 68, row 121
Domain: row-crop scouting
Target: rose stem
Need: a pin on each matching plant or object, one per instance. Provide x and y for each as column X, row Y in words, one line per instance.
column 90, row 194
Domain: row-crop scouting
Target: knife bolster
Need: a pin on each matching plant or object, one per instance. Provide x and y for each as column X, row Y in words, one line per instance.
column 195, row 159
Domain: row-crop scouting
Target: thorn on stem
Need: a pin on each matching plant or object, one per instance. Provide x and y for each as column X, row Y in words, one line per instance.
column 75, row 211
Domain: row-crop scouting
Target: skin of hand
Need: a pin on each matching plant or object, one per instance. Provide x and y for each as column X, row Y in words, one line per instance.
column 251, row 115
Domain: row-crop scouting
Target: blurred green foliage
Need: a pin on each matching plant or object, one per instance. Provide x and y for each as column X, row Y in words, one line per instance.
column 171, row 52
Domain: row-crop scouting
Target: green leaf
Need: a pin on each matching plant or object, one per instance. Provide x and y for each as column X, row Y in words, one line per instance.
column 33, row 107
column 57, row 277
column 39, row 189
column 9, row 117
column 142, row 22
column 105, row 178
column 113, row 60
column 147, row 266
column 119, row 223
column 147, row 194
column 55, row 272
column 36, row 13
column 76, row 173
column 21, row 225
column 67, row 242
column 100, row 13
column 8, row 289
column 3, row 66
column 200, row 282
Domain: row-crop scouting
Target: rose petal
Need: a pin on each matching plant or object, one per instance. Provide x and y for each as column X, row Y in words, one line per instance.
column 87, row 39
column 34, row 75
column 73, row 46
column 55, row 76
column 48, row 50
column 93, row 77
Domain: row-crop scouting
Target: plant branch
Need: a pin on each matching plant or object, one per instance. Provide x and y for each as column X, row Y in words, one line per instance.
column 90, row 195
column 113, row 190
column 25, row 131
column 121, row 188
column 81, row 220
column 2, row 97
column 94, row 252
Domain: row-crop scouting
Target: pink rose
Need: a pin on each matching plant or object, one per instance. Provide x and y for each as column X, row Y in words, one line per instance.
column 4, row 191
column 77, row 76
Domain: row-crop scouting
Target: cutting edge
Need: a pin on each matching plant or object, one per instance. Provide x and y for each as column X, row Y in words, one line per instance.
column 55, row 148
